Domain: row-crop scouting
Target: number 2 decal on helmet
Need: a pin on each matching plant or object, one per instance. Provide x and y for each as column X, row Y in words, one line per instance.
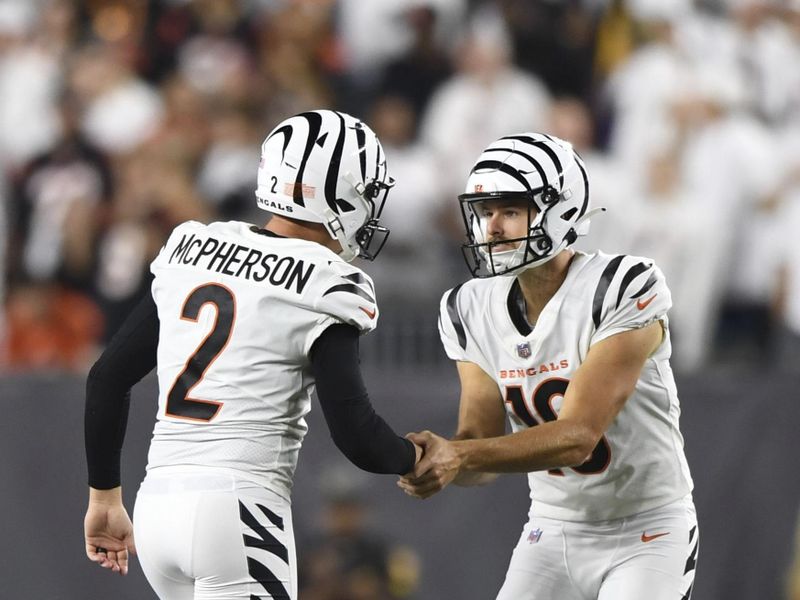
column 330, row 169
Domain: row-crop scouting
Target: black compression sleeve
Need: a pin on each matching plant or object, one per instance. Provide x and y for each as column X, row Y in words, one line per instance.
column 130, row 355
column 362, row 436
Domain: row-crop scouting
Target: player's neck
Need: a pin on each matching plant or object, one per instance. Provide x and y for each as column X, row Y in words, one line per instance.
column 540, row 284
column 302, row 230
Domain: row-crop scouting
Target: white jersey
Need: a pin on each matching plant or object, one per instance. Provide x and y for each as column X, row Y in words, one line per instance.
column 639, row 464
column 238, row 313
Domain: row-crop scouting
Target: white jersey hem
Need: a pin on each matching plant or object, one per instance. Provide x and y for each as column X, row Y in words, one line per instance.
column 269, row 485
column 548, row 511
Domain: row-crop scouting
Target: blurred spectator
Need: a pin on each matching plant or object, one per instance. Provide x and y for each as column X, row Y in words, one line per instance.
column 791, row 17
column 679, row 96
column 787, row 295
column 759, row 38
column 610, row 185
column 164, row 33
column 29, row 78
column 416, row 74
column 4, row 236
column 642, row 89
column 419, row 251
column 728, row 162
column 212, row 57
column 487, row 98
column 658, row 217
column 415, row 212
column 297, row 58
column 615, row 37
column 154, row 193
column 375, row 33
column 669, row 225
column 349, row 561
column 59, row 207
column 184, row 133
column 762, row 45
column 122, row 110
column 555, row 41
column 226, row 176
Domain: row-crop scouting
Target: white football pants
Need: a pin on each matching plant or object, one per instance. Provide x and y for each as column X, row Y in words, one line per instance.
column 214, row 537
column 649, row 555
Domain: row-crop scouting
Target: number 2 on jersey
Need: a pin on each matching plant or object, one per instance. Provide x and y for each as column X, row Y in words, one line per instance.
column 179, row 404
column 542, row 402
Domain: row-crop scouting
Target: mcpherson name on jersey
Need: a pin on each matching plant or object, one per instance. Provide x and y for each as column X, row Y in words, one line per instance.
column 238, row 260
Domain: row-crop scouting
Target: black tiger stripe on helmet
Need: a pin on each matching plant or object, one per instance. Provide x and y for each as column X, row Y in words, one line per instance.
column 327, row 167
column 550, row 176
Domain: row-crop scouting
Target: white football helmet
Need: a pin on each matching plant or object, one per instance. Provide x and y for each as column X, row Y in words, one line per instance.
column 547, row 173
column 327, row 167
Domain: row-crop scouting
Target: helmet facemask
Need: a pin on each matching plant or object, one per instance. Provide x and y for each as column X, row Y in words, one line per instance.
column 547, row 176
column 370, row 238
column 533, row 249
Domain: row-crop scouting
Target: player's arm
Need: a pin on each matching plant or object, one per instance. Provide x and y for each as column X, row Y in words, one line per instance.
column 357, row 430
column 480, row 414
column 129, row 356
column 594, row 397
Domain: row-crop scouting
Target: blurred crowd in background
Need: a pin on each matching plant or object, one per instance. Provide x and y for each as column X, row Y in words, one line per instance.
column 121, row 118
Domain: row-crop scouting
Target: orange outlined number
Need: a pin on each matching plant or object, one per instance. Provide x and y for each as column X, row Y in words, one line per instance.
column 179, row 404
column 543, row 403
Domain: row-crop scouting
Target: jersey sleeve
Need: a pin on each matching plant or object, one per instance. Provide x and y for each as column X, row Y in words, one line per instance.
column 345, row 295
column 451, row 326
column 454, row 330
column 632, row 293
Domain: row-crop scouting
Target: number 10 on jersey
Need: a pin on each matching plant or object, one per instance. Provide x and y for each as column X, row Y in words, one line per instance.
column 543, row 403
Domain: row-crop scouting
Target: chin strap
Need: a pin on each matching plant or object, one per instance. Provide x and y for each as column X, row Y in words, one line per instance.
column 359, row 186
column 350, row 248
column 572, row 234
column 333, row 225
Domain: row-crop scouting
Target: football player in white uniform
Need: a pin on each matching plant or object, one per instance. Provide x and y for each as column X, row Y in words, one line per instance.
column 574, row 348
column 243, row 323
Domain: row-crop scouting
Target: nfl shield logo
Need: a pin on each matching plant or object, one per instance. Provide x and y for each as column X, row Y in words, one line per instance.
column 524, row 350
column 534, row 535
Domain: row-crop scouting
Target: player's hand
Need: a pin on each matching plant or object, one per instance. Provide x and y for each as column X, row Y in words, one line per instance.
column 420, row 452
column 108, row 531
column 439, row 465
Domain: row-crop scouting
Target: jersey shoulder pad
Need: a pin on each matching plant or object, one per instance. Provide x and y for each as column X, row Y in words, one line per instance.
column 348, row 295
column 630, row 292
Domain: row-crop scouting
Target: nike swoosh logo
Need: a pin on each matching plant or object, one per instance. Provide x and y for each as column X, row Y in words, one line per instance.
column 370, row 313
column 649, row 538
column 642, row 305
